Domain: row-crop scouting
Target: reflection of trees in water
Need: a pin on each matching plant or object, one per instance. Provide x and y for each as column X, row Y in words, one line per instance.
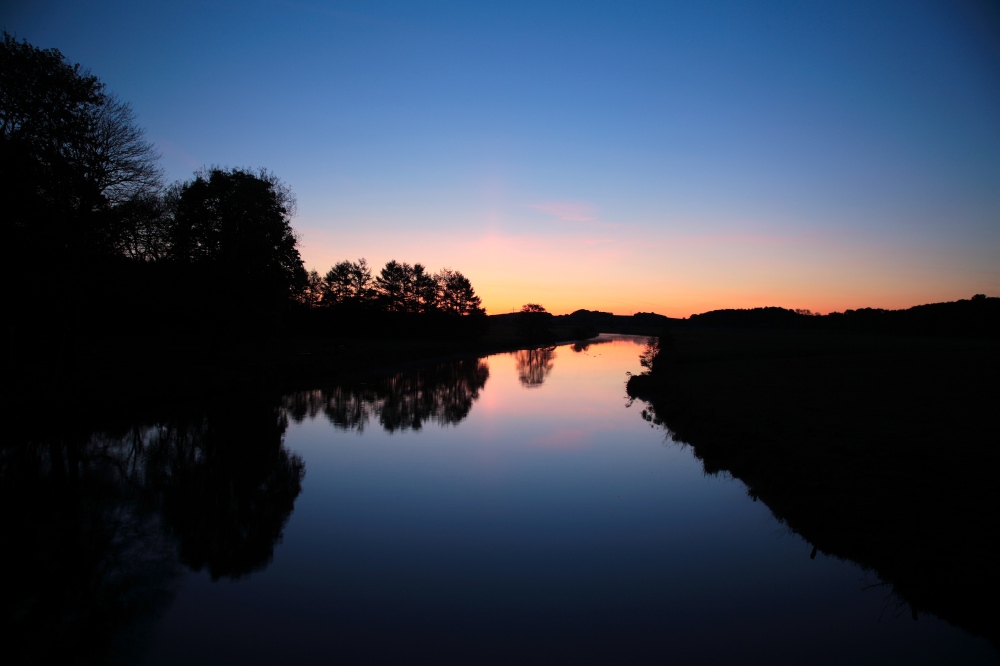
column 97, row 525
column 442, row 394
column 905, row 512
column 534, row 365
column 86, row 551
column 228, row 487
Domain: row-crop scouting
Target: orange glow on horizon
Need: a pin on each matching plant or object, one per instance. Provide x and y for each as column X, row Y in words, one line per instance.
column 624, row 271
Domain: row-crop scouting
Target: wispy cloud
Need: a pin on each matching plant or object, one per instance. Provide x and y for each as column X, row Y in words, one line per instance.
column 568, row 211
column 717, row 240
column 579, row 212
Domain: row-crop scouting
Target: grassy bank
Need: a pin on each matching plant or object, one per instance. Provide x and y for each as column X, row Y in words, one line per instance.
column 878, row 449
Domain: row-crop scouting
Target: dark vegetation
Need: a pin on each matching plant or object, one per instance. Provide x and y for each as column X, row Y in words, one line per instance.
column 876, row 443
column 402, row 301
column 977, row 317
column 534, row 325
column 112, row 273
column 197, row 285
column 871, row 432
column 102, row 510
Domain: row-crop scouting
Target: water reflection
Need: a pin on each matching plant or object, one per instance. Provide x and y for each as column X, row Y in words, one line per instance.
column 892, row 504
column 549, row 524
column 534, row 365
column 99, row 525
column 228, row 486
column 106, row 520
column 442, row 394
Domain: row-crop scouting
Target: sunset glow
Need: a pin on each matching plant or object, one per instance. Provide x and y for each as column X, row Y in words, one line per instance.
column 672, row 157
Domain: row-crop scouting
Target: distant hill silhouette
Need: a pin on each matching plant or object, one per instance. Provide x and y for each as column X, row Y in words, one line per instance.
column 978, row 317
column 588, row 323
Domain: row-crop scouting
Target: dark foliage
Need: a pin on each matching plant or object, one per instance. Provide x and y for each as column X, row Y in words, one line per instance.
column 229, row 231
column 403, row 302
column 79, row 184
column 107, row 267
column 876, row 448
column 534, row 323
column 978, row 316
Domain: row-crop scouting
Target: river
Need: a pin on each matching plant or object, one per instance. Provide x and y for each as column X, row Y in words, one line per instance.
column 509, row 509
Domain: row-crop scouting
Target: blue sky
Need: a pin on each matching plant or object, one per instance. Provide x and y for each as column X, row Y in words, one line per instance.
column 670, row 156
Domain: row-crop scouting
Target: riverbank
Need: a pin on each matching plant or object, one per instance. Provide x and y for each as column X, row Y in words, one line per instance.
column 101, row 376
column 874, row 448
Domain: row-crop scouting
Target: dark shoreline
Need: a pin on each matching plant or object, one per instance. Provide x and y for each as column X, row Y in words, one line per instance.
column 96, row 379
column 878, row 449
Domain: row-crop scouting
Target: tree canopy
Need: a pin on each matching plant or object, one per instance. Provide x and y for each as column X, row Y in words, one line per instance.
column 235, row 225
column 533, row 323
column 94, row 241
column 399, row 288
column 71, row 154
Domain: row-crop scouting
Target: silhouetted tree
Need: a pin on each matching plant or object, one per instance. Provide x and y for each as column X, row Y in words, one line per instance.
column 141, row 228
column 533, row 322
column 401, row 287
column 456, row 295
column 423, row 295
column 392, row 284
column 312, row 295
column 402, row 297
column 231, row 228
column 77, row 179
column 348, row 282
column 46, row 120
column 71, row 152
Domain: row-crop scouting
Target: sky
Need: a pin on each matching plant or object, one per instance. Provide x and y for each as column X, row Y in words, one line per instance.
column 670, row 157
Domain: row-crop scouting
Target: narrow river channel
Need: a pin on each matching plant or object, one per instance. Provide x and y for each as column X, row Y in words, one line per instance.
column 509, row 509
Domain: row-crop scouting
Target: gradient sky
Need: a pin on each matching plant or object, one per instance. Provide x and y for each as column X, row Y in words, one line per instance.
column 674, row 157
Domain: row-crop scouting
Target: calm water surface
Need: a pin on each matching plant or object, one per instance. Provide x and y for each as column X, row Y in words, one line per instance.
column 550, row 523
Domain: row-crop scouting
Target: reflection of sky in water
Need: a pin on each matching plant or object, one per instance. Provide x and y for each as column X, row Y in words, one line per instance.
column 550, row 524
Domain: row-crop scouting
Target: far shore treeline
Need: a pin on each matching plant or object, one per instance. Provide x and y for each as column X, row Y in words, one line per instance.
column 975, row 317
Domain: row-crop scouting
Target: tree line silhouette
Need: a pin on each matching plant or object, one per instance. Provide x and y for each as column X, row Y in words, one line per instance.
column 978, row 317
column 350, row 299
column 399, row 287
column 98, row 247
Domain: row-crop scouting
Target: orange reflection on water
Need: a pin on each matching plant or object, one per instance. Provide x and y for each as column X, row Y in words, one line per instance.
column 582, row 385
column 534, row 365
